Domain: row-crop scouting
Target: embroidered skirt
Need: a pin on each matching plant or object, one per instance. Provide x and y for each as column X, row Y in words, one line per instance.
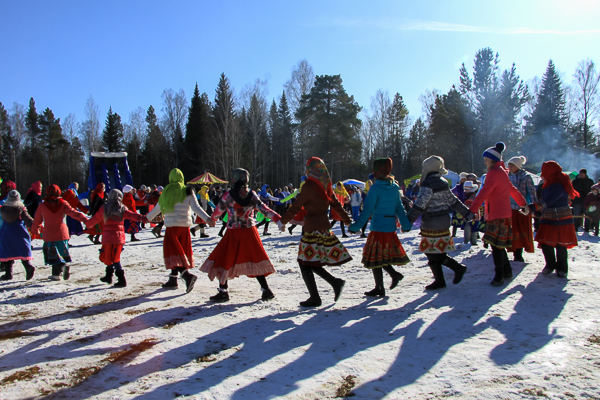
column 240, row 252
column 320, row 248
column 436, row 241
column 383, row 248
column 110, row 253
column 56, row 252
column 561, row 235
column 131, row 227
column 499, row 232
column 522, row 232
column 177, row 247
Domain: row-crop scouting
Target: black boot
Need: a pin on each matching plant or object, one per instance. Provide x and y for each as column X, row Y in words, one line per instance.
column 518, row 255
column 222, row 229
column 459, row 269
column 56, row 272
column 336, row 283
column 562, row 262
column 222, row 296
column 395, row 275
column 379, row 290
column 29, row 270
column 267, row 294
column 550, row 258
column 498, row 256
column 8, row 266
column 291, row 228
column 133, row 238
column 438, row 274
column 309, row 280
column 97, row 239
column 171, row 284
column 508, row 274
column 107, row 278
column 343, row 229
column 193, row 231
column 121, row 282
column 66, row 271
column 190, row 280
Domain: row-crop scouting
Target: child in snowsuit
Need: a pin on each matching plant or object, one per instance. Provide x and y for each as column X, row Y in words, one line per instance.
column 591, row 206
column 470, row 227
column 51, row 213
column 383, row 248
column 15, row 242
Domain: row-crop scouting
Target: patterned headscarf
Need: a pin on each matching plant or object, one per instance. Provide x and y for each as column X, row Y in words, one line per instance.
column 240, row 179
column 174, row 192
column 114, row 207
column 6, row 187
column 316, row 171
column 552, row 173
column 382, row 168
column 340, row 189
column 52, row 199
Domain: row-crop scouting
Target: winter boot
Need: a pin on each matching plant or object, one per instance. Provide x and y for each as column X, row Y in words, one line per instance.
column 203, row 234
column 267, row 294
column 121, row 282
column 518, row 255
column 107, row 278
column 562, row 262
column 133, row 238
column 220, row 297
column 222, row 229
column 291, row 228
column 379, row 290
column 309, row 279
column 66, row 271
column 193, row 230
column 190, row 281
column 29, row 270
column 171, row 284
column 499, row 262
column 97, row 239
column 459, row 269
column 508, row 274
column 336, row 283
column 474, row 239
column 56, row 272
column 438, row 274
column 395, row 275
column 7, row 271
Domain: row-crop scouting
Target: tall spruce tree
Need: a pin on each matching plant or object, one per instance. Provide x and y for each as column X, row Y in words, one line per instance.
column 112, row 135
column 227, row 138
column 33, row 133
column 6, row 143
column 156, row 154
column 197, row 133
column 286, row 132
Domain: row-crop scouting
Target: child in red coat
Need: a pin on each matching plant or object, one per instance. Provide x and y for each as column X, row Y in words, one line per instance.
column 114, row 213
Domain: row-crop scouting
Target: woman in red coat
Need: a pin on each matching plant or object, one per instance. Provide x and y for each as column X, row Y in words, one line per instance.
column 131, row 226
column 114, row 213
column 496, row 193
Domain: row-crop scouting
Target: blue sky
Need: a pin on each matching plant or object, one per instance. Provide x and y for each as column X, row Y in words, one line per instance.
column 125, row 53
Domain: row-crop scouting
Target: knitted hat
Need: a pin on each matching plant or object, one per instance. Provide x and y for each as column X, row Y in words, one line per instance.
column 143, row 188
column 517, row 161
column 495, row 153
column 13, row 199
column 433, row 164
column 463, row 175
column 596, row 187
column 127, row 188
column 160, row 188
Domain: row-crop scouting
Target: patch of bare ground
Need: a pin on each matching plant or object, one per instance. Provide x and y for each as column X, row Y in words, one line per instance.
column 15, row 334
column 172, row 323
column 24, row 375
column 136, row 312
column 345, row 389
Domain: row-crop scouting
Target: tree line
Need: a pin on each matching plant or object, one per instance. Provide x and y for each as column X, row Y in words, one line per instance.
column 314, row 115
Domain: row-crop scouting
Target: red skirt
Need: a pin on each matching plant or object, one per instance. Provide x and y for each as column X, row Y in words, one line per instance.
column 240, row 252
column 498, row 232
column 522, row 232
column 552, row 235
column 383, row 248
column 299, row 218
column 177, row 247
column 110, row 253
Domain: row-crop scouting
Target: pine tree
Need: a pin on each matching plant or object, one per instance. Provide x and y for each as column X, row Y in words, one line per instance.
column 397, row 119
column 6, row 151
column 197, row 134
column 112, row 136
column 156, row 154
column 33, row 132
column 228, row 139
column 53, row 142
column 286, row 131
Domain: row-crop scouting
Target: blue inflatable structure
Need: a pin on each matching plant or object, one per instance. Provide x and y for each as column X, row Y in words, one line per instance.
column 110, row 168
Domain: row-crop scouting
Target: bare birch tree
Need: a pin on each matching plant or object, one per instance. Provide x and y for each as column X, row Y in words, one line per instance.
column 586, row 98
column 175, row 110
column 90, row 128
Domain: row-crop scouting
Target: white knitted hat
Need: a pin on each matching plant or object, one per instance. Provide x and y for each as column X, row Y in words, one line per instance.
column 518, row 161
column 13, row 199
column 433, row 164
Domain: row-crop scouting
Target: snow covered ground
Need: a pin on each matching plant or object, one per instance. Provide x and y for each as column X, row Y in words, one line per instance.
column 538, row 336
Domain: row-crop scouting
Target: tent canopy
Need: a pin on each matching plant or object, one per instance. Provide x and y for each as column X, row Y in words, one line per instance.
column 354, row 182
column 207, row 178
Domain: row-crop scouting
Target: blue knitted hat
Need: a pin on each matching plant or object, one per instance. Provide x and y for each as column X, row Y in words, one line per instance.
column 495, row 153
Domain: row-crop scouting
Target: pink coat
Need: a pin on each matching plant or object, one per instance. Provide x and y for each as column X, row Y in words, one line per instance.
column 55, row 228
column 496, row 193
column 113, row 231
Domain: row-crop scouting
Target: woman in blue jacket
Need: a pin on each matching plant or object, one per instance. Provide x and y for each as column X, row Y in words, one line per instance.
column 383, row 248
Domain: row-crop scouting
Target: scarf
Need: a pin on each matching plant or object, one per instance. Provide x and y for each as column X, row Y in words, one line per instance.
column 52, row 200
column 74, row 189
column 382, row 168
column 240, row 182
column 174, row 192
column 204, row 192
column 340, row 190
column 263, row 191
column 552, row 173
column 99, row 191
column 316, row 171
column 114, row 207
column 6, row 187
column 36, row 187
column 70, row 197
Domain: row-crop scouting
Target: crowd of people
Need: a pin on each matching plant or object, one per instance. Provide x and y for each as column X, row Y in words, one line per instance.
column 504, row 209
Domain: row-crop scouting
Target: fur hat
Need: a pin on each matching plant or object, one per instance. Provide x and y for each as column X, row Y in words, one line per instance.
column 127, row 188
column 13, row 199
column 518, row 161
column 470, row 187
column 495, row 153
column 433, row 164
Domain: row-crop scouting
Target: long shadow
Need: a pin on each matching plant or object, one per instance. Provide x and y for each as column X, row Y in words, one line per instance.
column 43, row 297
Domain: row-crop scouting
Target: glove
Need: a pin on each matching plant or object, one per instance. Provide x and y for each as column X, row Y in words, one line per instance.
column 525, row 210
column 281, row 226
column 469, row 217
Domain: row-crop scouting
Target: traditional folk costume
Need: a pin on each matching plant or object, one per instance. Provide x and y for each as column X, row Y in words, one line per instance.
column 205, row 203
column 97, row 200
column 131, row 226
column 32, row 200
column 51, row 213
column 114, row 214
column 458, row 190
column 75, row 227
column 15, row 242
column 556, row 233
column 383, row 248
column 522, row 224
column 433, row 204
column 319, row 246
column 240, row 252
column 177, row 203
column 496, row 193
column 343, row 197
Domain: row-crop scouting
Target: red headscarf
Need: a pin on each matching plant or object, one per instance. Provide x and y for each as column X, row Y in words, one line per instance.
column 52, row 199
column 70, row 197
column 99, row 191
column 552, row 173
column 36, row 187
column 6, row 187
column 316, row 171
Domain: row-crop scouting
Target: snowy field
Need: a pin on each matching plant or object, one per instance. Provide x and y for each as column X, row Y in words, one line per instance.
column 538, row 336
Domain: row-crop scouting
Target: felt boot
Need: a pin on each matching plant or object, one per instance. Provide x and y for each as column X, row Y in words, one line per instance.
column 190, row 281
column 499, row 262
column 56, row 272
column 7, row 271
column 203, row 233
column 518, row 255
column 171, row 284
column 121, row 282
column 193, row 230
column 267, row 294
column 550, row 257
column 220, row 297
column 379, row 290
column 459, row 269
column 438, row 274
column 29, row 270
column 108, row 277
column 309, row 280
column 342, row 225
column 66, row 271
column 562, row 262
column 395, row 275
column 336, row 283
